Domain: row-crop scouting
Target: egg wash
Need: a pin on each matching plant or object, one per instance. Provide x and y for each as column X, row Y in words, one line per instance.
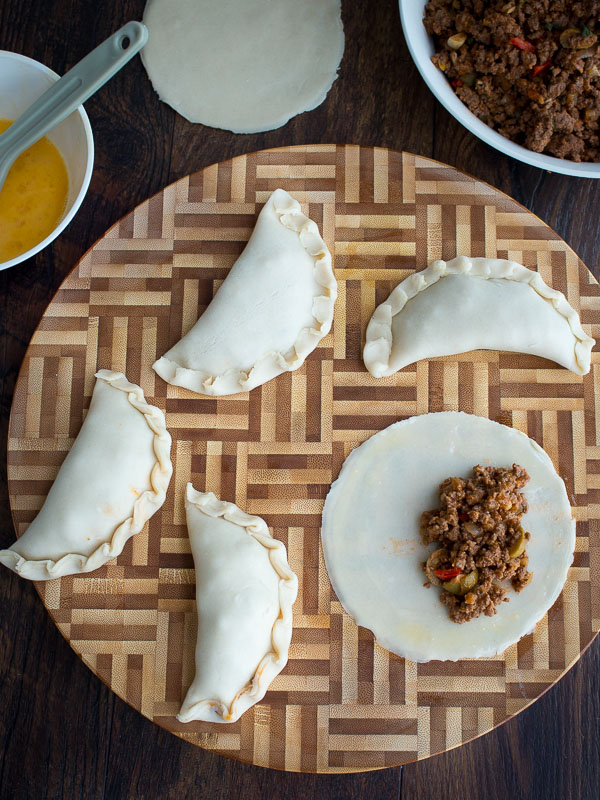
column 33, row 198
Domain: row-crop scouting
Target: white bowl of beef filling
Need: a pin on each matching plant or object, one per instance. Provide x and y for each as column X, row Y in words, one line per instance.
column 531, row 77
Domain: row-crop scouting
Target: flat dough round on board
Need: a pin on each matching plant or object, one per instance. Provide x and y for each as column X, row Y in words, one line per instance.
column 373, row 548
column 243, row 65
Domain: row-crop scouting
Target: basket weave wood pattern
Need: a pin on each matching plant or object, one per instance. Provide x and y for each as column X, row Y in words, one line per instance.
column 343, row 703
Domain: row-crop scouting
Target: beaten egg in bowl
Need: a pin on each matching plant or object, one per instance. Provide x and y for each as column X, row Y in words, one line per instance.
column 33, row 197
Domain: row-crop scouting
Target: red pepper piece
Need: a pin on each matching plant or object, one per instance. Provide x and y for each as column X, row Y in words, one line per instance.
column 457, row 82
column 539, row 68
column 446, row 574
column 522, row 44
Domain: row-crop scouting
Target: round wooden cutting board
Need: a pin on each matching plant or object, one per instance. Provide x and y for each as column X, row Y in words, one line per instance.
column 343, row 703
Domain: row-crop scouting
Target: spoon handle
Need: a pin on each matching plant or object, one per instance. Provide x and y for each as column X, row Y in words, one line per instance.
column 68, row 93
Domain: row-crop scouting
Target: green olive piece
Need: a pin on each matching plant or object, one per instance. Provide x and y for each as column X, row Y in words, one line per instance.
column 462, row 583
column 516, row 549
column 435, row 560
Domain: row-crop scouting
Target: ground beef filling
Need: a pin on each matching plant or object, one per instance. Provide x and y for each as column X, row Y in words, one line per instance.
column 481, row 540
column 528, row 68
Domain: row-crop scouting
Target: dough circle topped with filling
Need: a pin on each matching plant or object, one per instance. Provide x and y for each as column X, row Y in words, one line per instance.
column 373, row 548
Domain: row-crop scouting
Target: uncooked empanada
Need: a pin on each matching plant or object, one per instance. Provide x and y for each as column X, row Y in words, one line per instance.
column 271, row 311
column 372, row 542
column 474, row 304
column 245, row 591
column 112, row 481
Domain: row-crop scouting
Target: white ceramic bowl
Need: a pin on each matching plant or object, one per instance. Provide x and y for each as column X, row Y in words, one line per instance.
column 421, row 49
column 22, row 81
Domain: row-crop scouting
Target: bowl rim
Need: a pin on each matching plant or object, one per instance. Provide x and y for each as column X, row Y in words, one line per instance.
column 89, row 139
column 440, row 88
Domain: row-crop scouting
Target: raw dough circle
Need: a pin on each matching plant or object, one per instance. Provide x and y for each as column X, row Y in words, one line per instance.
column 373, row 549
column 243, row 65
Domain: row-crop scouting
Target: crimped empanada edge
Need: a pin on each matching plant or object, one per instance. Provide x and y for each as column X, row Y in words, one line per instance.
column 144, row 507
column 379, row 337
column 276, row 659
column 272, row 363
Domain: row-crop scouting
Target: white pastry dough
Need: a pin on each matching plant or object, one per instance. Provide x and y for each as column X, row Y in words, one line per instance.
column 243, row 65
column 114, row 478
column 245, row 591
column 474, row 304
column 373, row 548
column 270, row 312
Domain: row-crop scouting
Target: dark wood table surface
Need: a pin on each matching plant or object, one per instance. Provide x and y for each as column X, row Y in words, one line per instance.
column 62, row 732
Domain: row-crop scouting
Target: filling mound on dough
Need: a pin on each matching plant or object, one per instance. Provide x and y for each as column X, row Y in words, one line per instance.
column 478, row 527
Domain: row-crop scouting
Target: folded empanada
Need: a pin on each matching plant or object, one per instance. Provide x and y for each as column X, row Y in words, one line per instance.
column 271, row 311
column 474, row 304
column 114, row 478
column 245, row 591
